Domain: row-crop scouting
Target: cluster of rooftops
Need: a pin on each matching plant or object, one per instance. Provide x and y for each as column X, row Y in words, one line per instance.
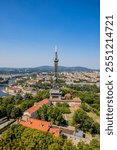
column 28, row 117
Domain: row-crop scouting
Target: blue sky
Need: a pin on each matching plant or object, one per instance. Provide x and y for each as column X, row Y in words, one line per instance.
column 29, row 30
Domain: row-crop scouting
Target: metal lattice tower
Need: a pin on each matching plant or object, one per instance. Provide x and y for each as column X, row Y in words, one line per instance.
column 56, row 60
column 55, row 92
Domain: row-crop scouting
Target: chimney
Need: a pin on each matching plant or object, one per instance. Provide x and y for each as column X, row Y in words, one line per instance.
column 35, row 104
column 29, row 120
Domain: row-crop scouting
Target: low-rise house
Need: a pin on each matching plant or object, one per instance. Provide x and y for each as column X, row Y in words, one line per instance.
column 67, row 96
column 41, row 125
column 31, row 82
column 32, row 111
column 76, row 106
column 70, row 133
column 71, row 103
column 28, row 118
column 80, row 134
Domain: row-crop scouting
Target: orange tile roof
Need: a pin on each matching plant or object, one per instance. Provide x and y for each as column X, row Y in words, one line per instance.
column 36, row 124
column 76, row 106
column 40, row 125
column 36, row 106
column 76, row 99
column 55, row 131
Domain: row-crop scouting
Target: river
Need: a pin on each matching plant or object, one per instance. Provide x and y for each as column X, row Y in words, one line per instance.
column 4, row 85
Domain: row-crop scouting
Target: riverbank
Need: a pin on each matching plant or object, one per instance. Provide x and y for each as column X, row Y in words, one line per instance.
column 4, row 81
column 1, row 90
column 4, row 91
column 2, row 87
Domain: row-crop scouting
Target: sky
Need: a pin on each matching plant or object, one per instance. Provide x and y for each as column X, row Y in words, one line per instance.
column 30, row 29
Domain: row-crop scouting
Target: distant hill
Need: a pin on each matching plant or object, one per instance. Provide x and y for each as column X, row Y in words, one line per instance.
column 44, row 69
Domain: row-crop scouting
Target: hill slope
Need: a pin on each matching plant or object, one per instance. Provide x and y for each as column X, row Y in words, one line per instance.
column 44, row 69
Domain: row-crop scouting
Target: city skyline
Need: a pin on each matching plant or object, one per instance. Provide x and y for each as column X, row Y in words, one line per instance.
column 30, row 30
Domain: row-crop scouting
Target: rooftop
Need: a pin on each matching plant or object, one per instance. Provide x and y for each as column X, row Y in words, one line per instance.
column 40, row 125
column 36, row 106
column 61, row 100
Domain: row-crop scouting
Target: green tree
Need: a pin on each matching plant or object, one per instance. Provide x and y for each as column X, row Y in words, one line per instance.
column 82, row 121
column 26, row 104
column 52, row 114
column 1, row 99
column 28, row 96
column 16, row 138
column 2, row 111
column 55, row 115
column 43, row 94
column 86, row 107
column 16, row 112
column 65, row 91
column 94, row 144
column 9, row 110
column 43, row 113
column 83, row 146
column 8, row 100
column 18, row 99
column 54, row 146
column 68, row 145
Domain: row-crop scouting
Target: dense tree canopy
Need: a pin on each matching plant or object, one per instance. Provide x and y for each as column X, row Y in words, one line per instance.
column 54, row 113
column 88, row 88
column 89, row 96
column 42, row 85
column 43, row 94
column 16, row 138
column 94, row 145
column 14, row 106
column 82, row 121
column 16, row 112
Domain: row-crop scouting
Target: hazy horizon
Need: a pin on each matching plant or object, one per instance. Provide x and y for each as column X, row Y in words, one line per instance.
column 49, row 66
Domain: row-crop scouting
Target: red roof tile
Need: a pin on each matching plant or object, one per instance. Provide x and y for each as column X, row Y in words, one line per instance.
column 36, row 124
column 40, row 125
column 76, row 99
column 37, row 106
column 55, row 131
column 76, row 106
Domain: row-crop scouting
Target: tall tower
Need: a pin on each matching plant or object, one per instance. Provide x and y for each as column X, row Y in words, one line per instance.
column 56, row 60
column 55, row 92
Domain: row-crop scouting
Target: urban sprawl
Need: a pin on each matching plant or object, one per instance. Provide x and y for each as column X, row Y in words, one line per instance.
column 66, row 94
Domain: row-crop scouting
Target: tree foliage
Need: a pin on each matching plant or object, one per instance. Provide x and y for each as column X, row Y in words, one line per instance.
column 52, row 114
column 43, row 94
column 86, row 107
column 82, row 121
column 94, row 145
column 88, row 88
column 16, row 112
column 16, row 138
column 89, row 94
column 10, row 105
